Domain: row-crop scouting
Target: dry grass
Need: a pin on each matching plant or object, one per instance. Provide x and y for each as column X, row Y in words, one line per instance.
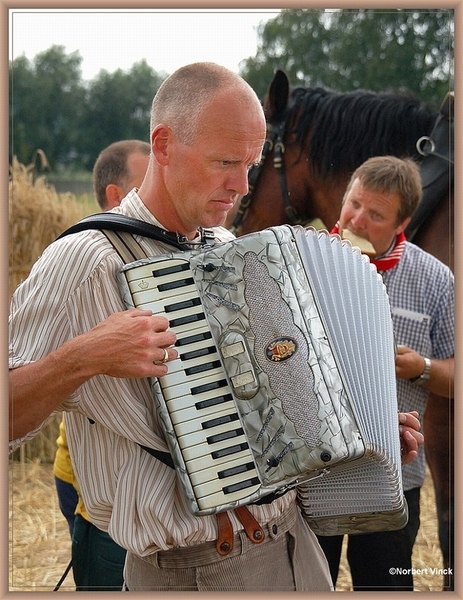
column 39, row 548
column 37, row 215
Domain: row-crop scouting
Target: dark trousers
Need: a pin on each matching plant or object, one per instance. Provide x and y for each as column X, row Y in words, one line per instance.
column 97, row 561
column 67, row 498
column 380, row 561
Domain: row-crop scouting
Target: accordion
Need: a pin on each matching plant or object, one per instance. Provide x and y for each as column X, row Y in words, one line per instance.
column 285, row 376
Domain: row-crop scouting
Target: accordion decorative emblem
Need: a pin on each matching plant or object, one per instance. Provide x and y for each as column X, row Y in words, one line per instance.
column 285, row 376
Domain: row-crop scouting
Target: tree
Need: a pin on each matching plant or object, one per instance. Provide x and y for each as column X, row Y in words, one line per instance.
column 45, row 99
column 53, row 110
column 118, row 107
column 347, row 49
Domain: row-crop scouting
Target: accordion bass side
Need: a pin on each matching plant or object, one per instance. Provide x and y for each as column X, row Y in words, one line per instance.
column 285, row 376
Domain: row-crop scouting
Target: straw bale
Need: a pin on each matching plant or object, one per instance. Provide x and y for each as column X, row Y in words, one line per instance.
column 40, row 546
column 37, row 215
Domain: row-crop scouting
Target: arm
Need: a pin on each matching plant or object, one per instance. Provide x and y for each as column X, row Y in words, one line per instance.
column 410, row 364
column 127, row 344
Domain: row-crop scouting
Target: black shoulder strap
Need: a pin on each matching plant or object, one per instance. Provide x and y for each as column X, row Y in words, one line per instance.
column 119, row 229
column 123, row 223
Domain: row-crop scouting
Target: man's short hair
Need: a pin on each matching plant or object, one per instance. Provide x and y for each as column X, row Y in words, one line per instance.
column 111, row 166
column 392, row 174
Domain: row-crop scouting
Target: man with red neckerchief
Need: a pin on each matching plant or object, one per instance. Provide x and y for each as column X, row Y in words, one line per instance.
column 378, row 204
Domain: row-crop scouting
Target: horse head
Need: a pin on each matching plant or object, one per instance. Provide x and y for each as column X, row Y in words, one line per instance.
column 315, row 140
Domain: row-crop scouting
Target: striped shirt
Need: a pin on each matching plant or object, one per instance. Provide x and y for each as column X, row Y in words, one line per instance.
column 127, row 492
column 421, row 295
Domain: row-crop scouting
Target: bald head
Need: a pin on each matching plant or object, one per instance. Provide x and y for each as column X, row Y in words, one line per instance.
column 184, row 96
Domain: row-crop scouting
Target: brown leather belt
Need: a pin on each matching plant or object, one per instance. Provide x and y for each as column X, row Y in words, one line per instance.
column 202, row 554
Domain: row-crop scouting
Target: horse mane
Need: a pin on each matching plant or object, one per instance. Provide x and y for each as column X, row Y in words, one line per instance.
column 345, row 129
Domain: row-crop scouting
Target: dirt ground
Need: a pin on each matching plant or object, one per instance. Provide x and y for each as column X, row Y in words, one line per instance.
column 39, row 543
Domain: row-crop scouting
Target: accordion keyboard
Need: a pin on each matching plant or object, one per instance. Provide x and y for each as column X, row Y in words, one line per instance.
column 201, row 408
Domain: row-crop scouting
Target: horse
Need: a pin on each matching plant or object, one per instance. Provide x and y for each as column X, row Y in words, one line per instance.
column 433, row 223
column 315, row 140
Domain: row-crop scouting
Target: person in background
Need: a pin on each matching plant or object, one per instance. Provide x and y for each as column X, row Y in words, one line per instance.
column 377, row 206
column 207, row 129
column 97, row 560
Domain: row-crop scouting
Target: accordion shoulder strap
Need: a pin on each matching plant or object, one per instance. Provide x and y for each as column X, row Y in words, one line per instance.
column 120, row 233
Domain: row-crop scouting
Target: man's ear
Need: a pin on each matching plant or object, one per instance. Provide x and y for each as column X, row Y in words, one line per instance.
column 114, row 194
column 160, row 138
column 403, row 226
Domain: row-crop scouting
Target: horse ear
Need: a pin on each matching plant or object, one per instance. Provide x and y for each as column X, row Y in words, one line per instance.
column 277, row 97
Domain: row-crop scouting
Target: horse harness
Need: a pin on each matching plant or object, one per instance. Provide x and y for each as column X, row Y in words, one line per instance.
column 275, row 141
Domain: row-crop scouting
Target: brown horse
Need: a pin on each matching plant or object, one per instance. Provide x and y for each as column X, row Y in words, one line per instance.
column 315, row 140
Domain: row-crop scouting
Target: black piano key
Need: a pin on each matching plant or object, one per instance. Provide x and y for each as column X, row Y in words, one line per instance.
column 173, row 285
column 220, row 421
column 188, row 319
column 207, row 387
column 200, row 368
column 230, row 450
column 197, row 353
column 171, row 269
column 182, row 305
column 242, row 485
column 191, row 339
column 225, row 435
column 213, row 401
column 236, row 470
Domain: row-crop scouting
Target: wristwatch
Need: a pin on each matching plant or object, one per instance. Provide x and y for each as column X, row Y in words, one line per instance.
column 425, row 375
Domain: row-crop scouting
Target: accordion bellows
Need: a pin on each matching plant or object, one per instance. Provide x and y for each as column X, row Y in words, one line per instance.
column 285, row 376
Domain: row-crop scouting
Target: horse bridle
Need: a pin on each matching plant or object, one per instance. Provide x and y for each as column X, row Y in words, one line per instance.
column 275, row 141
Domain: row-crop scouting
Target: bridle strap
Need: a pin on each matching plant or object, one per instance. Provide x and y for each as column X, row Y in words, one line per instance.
column 274, row 141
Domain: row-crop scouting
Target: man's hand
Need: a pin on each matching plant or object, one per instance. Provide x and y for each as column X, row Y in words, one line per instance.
column 410, row 436
column 130, row 344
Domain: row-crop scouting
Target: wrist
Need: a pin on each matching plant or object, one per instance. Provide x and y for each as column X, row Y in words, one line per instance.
column 425, row 375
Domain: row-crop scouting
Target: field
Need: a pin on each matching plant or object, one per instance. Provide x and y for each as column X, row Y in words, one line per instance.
column 39, row 544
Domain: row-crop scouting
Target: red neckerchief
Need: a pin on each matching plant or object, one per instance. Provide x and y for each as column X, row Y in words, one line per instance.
column 386, row 262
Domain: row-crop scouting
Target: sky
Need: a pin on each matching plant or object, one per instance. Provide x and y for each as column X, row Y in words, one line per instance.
column 118, row 38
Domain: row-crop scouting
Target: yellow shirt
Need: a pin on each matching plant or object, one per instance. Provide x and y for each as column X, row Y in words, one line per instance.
column 62, row 468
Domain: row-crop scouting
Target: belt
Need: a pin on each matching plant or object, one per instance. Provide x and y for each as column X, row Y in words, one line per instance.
column 202, row 554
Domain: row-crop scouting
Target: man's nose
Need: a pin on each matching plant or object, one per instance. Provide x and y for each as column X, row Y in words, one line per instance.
column 358, row 220
column 238, row 183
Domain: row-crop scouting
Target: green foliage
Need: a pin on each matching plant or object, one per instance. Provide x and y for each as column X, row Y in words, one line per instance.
column 348, row 49
column 53, row 109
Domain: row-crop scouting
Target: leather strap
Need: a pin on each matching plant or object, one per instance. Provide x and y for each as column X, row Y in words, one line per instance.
column 124, row 223
column 252, row 528
column 224, row 543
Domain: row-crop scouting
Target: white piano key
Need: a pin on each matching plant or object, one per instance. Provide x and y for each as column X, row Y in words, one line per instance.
column 194, row 388
column 210, row 467
column 212, row 436
column 161, row 304
column 175, row 267
column 205, row 421
column 222, row 491
column 183, row 409
column 200, row 451
column 218, row 498
column 177, row 380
